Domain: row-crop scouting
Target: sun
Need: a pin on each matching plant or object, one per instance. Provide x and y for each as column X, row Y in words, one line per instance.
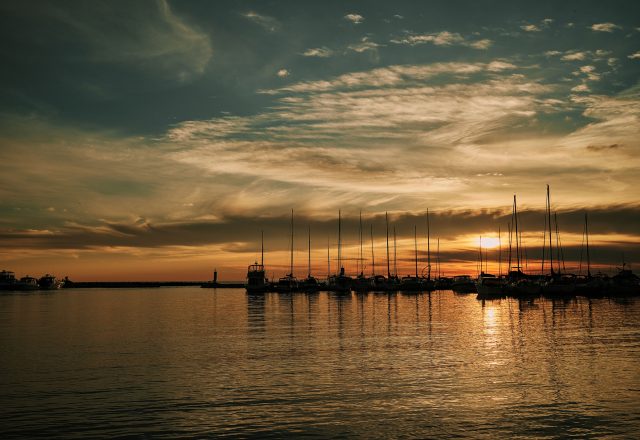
column 487, row 242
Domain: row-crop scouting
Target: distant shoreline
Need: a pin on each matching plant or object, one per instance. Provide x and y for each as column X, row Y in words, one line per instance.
column 125, row 284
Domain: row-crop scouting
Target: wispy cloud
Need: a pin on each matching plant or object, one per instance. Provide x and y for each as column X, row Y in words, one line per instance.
column 544, row 24
column 605, row 27
column 574, row 56
column 320, row 52
column 354, row 18
column 151, row 39
column 268, row 23
column 444, row 38
column 634, row 56
column 365, row 44
column 530, row 28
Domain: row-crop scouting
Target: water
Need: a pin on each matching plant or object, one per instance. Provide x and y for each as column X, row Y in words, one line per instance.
column 190, row 362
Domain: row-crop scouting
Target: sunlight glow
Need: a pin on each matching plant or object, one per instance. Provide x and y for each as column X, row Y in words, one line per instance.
column 487, row 242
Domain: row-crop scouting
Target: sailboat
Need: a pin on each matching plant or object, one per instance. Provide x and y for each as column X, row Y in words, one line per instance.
column 519, row 284
column 288, row 283
column 340, row 283
column 390, row 283
column 625, row 282
column 310, row 283
column 488, row 285
column 556, row 284
column 362, row 283
column 590, row 285
column 428, row 284
column 412, row 283
column 256, row 279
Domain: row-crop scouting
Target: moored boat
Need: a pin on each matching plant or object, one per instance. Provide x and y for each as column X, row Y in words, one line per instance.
column 463, row 284
column 490, row 286
column 410, row 284
column 49, row 282
column 624, row 283
column 288, row 283
column 256, row 280
column 7, row 280
column 26, row 283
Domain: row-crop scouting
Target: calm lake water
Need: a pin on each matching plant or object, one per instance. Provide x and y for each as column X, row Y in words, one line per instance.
column 191, row 362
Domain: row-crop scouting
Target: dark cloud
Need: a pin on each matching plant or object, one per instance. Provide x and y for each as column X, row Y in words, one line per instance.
column 599, row 148
column 243, row 233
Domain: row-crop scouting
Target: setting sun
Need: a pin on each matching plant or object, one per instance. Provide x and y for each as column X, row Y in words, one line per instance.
column 487, row 242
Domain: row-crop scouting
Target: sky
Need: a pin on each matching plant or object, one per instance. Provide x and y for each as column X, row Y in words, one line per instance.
column 155, row 140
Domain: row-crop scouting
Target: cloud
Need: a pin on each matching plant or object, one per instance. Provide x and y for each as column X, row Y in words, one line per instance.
column 634, row 56
column 267, row 23
column 590, row 72
column 357, row 141
column 354, row 18
column 240, row 233
column 580, row 88
column 399, row 75
column 602, row 53
column 364, row 45
column 144, row 36
column 481, row 44
column 330, row 129
column 574, row 56
column 530, row 28
column 320, row 52
column 444, row 38
column 283, row 73
column 605, row 27
column 599, row 148
column 544, row 24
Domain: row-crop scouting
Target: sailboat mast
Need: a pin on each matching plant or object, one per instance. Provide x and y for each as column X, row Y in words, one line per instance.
column 360, row 259
column 586, row 228
column 438, row 259
column 480, row 253
column 386, row 216
column 291, row 265
column 510, row 239
column 499, row 253
column 515, row 219
column 395, row 254
column 373, row 261
column 428, row 247
column 262, row 248
column 415, row 246
column 558, row 251
column 549, row 223
column 309, row 262
column 339, row 240
column 328, row 261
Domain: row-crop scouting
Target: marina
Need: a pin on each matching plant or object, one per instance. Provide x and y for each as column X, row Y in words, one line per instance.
column 552, row 280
